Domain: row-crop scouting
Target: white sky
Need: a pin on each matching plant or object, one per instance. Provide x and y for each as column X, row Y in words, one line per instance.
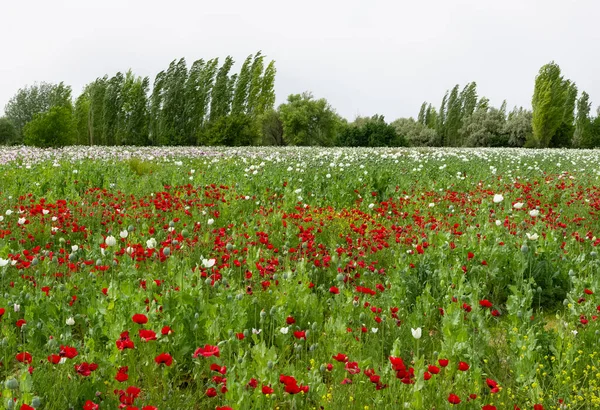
column 363, row 56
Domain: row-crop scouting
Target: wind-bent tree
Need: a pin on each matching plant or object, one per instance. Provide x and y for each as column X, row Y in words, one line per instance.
column 256, row 85
column 549, row 98
column 453, row 118
column 266, row 99
column 242, row 88
column 220, row 103
column 583, row 123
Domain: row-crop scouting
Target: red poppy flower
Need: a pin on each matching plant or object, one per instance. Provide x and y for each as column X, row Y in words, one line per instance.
column 90, row 405
column 443, row 362
column 538, row 407
column 147, row 335
column 426, row 375
column 216, row 368
column 352, row 368
column 166, row 330
column 207, row 351
column 68, row 352
column 85, row 369
column 485, row 303
column 164, row 358
column 124, row 342
column 24, row 357
column 2, row 311
column 240, row 336
column 267, row 390
column 290, row 320
column 495, row 313
column 463, row 367
column 334, row 289
column 26, row 407
column 122, row 374
column 253, row 383
column 21, row 322
column 300, row 334
column 54, row 358
column 140, row 319
column 433, row 369
column 340, row 357
column 588, row 291
column 453, row 399
column 488, row 407
column 211, row 392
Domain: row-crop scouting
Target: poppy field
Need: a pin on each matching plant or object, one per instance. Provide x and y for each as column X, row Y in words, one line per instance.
column 299, row 278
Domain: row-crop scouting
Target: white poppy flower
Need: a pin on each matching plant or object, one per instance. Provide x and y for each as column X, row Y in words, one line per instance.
column 416, row 333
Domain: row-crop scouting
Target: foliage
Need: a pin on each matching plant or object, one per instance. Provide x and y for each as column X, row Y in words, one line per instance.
column 8, row 132
column 54, row 128
column 485, row 128
column 518, row 127
column 33, row 100
column 370, row 132
column 233, row 130
column 552, row 99
column 416, row 134
column 307, row 121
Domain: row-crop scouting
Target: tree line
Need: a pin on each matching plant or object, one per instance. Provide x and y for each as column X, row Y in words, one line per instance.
column 207, row 104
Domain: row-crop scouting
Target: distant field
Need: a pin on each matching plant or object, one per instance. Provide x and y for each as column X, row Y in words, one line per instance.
column 258, row 278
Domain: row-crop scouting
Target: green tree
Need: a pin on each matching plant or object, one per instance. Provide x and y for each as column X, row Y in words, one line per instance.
column 485, row 128
column 453, row 118
column 583, row 124
column 82, row 119
column 308, row 122
column 134, row 110
column 468, row 98
column 440, row 124
column 549, row 98
column 266, row 99
column 112, row 106
column 233, row 130
column 242, row 88
column 256, row 85
column 272, row 129
column 8, row 132
column 220, row 103
column 35, row 99
column 370, row 132
column 53, row 128
column 172, row 114
column 563, row 137
column 156, row 105
column 518, row 128
column 416, row 134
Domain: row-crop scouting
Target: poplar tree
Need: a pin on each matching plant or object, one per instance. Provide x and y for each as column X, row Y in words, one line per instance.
column 266, row 99
column 219, row 104
column 242, row 87
column 255, row 84
column 453, row 117
column 549, row 98
column 583, row 123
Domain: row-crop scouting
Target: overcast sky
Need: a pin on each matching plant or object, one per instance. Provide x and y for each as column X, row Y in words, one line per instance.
column 363, row 56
